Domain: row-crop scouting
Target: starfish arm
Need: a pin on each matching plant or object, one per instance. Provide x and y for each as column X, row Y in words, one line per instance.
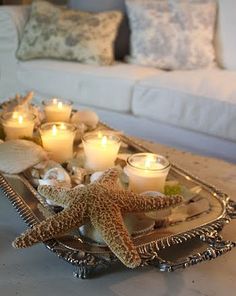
column 109, row 223
column 109, row 178
column 58, row 195
column 53, row 226
column 133, row 202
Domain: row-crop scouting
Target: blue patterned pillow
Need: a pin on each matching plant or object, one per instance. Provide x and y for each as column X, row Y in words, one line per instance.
column 172, row 35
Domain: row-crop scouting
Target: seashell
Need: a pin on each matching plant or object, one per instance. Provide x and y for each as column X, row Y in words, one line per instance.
column 160, row 214
column 38, row 171
column 136, row 224
column 78, row 186
column 1, row 141
column 88, row 117
column 95, row 176
column 18, row 155
column 45, row 166
column 56, row 176
column 77, row 174
column 78, row 161
column 80, row 130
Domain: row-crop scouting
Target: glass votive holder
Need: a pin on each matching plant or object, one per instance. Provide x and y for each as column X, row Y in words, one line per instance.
column 58, row 139
column 18, row 125
column 147, row 172
column 57, row 110
column 101, row 150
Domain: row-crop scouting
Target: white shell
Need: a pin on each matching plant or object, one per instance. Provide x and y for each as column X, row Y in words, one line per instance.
column 88, row 117
column 95, row 176
column 18, row 155
column 56, row 177
column 136, row 224
column 77, row 174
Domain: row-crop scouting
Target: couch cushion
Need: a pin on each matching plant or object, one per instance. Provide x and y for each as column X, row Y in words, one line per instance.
column 122, row 40
column 226, row 37
column 107, row 87
column 203, row 100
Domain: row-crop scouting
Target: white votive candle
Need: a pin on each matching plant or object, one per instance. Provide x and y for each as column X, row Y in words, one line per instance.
column 58, row 139
column 100, row 150
column 57, row 110
column 18, row 125
column 147, row 172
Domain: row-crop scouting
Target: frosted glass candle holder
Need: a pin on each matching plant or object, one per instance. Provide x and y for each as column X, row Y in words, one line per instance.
column 57, row 110
column 101, row 150
column 18, row 125
column 58, row 139
column 147, row 172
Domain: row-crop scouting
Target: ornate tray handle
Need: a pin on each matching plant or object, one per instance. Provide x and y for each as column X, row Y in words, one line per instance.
column 232, row 209
column 216, row 247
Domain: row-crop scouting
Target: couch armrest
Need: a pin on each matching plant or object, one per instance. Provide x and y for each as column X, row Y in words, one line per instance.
column 12, row 22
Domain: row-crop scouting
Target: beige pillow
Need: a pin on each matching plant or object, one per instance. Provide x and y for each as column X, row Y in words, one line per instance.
column 172, row 35
column 60, row 33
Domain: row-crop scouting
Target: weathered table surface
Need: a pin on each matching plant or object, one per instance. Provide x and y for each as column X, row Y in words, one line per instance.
column 36, row 271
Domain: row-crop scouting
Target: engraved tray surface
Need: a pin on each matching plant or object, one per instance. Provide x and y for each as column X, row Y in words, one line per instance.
column 88, row 256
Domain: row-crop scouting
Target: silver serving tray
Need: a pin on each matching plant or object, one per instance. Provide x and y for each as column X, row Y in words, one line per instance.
column 155, row 247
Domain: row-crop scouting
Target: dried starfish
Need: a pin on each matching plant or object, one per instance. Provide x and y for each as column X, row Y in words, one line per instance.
column 103, row 202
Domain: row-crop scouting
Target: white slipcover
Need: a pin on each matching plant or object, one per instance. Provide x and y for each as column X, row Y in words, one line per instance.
column 200, row 100
column 108, row 87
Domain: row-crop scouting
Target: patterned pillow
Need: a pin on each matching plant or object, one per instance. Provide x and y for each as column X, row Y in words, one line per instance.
column 54, row 32
column 122, row 40
column 170, row 34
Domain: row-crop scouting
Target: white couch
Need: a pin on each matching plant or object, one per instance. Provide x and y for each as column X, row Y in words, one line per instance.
column 192, row 110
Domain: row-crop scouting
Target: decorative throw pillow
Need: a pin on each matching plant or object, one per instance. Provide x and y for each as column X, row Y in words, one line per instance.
column 54, row 32
column 122, row 39
column 170, row 34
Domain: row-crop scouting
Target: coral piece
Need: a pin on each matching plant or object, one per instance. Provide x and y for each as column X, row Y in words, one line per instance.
column 103, row 202
column 18, row 103
column 23, row 104
column 19, row 155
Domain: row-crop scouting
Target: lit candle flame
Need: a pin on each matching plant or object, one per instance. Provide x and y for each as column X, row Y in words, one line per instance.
column 104, row 140
column 54, row 101
column 63, row 126
column 149, row 161
column 15, row 115
column 59, row 105
column 54, row 130
column 99, row 135
column 20, row 119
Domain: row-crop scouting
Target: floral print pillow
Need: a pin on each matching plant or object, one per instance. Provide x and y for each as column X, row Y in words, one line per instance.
column 172, row 35
column 60, row 33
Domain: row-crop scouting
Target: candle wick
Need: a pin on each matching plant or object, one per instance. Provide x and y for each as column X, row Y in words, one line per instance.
column 104, row 140
column 59, row 105
column 20, row 119
column 54, row 101
column 54, row 130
